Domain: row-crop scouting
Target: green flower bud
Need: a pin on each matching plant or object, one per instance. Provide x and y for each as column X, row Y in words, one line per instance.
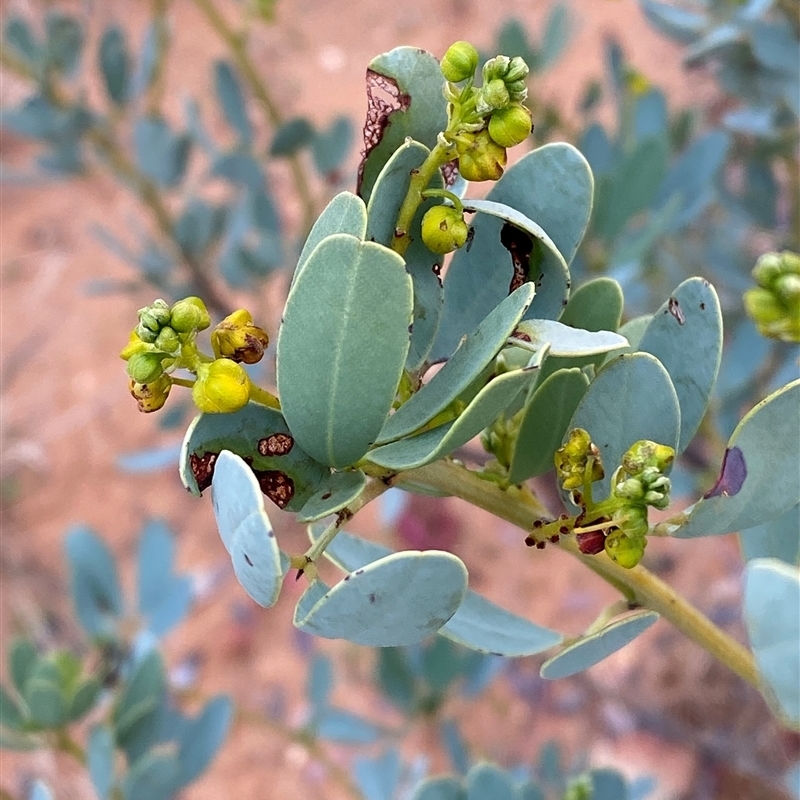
column 151, row 396
column 444, row 229
column 189, row 314
column 154, row 316
column 511, row 125
column 572, row 458
column 222, row 387
column 787, row 287
column 459, row 62
column 167, row 340
column 767, row 269
column 494, row 95
column 145, row 367
column 517, row 91
column 625, row 550
column 238, row 339
column 517, row 70
column 630, row 489
column 495, row 68
column 480, row 158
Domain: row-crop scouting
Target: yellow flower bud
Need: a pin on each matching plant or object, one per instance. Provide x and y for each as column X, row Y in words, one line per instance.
column 151, row 396
column 511, row 125
column 238, row 339
column 459, row 62
column 135, row 345
column 189, row 314
column 480, row 158
column 444, row 229
column 222, row 387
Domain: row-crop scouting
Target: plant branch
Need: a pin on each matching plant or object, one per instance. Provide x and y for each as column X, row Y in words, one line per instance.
column 523, row 509
column 238, row 47
column 155, row 94
column 146, row 190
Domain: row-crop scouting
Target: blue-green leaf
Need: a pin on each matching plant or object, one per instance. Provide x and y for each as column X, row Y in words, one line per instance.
column 679, row 23
column 593, row 648
column 552, row 186
column 378, row 777
column 411, row 77
column 84, row 698
column 344, row 727
column 245, row 529
column 779, row 538
column 771, row 600
column 342, row 347
column 488, row 782
column 556, row 35
column 232, row 101
column 21, row 662
column 100, row 760
column 40, row 792
column 18, row 36
column 423, row 265
column 160, row 154
column 345, row 213
column 289, row 475
column 291, row 136
column 329, row 148
column 483, row 626
column 94, row 582
column 138, row 704
column 631, row 398
column 608, row 784
column 397, row 600
column 685, row 335
column 569, row 342
column 202, row 737
column 544, row 422
column 759, row 480
column 115, row 64
column 440, row 789
column 64, row 42
column 152, row 777
column 464, row 366
column 491, row 401
column 319, row 682
column 478, row 624
column 337, row 491
column 11, row 714
column 44, row 696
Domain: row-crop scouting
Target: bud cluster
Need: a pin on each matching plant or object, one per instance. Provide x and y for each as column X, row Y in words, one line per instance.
column 619, row 524
column 164, row 340
column 484, row 121
column 774, row 304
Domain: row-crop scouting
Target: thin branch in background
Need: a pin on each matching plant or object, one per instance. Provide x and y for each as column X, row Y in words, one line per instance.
column 155, row 94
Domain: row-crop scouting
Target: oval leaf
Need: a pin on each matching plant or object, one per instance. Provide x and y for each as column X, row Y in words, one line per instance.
column 553, row 187
column 771, row 600
column 565, row 340
column 338, row 490
column 544, row 422
column 288, row 475
column 685, row 335
column 397, row 600
column 465, row 365
column 631, row 398
column 759, row 480
column 245, row 529
column 779, row 538
column 590, row 650
column 342, row 347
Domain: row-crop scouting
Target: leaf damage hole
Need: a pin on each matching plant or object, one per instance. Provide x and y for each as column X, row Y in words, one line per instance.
column 674, row 308
column 379, row 111
column 276, row 485
column 327, row 496
column 202, row 468
column 279, row 444
column 732, row 475
column 372, row 597
column 520, row 246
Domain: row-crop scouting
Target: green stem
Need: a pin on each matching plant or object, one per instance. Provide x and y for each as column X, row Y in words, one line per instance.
column 444, row 194
column 639, row 585
column 67, row 744
column 375, row 488
column 263, row 397
column 237, row 44
column 420, row 178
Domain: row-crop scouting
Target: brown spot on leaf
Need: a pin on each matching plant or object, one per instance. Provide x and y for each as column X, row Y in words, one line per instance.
column 276, row 485
column 279, row 444
column 247, row 559
column 674, row 308
column 326, row 496
column 521, row 335
column 520, row 246
column 450, row 173
column 372, row 597
column 731, row 476
column 379, row 111
column 202, row 468
column 591, row 543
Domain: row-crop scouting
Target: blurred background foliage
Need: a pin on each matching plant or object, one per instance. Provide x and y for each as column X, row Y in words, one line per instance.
column 680, row 191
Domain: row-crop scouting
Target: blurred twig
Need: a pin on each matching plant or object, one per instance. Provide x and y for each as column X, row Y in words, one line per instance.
column 155, row 94
column 237, row 43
